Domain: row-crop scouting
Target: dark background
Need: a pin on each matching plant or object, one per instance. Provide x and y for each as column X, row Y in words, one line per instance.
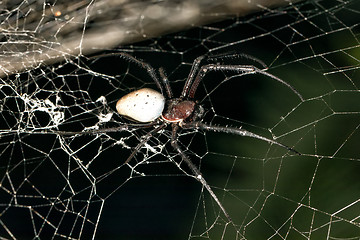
column 270, row 193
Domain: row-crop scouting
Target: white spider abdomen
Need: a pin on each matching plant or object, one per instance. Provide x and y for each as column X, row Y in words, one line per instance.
column 143, row 105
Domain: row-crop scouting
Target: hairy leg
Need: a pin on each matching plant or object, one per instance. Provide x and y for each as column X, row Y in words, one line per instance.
column 196, row 171
column 236, row 131
column 243, row 69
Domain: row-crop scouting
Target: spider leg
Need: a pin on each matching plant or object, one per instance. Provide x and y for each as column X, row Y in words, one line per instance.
column 196, row 64
column 144, row 140
column 150, row 70
column 237, row 131
column 121, row 128
column 195, row 170
column 166, row 83
column 194, row 68
column 245, row 69
column 238, row 55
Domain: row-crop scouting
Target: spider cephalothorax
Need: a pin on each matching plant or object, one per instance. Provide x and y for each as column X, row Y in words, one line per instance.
column 152, row 109
column 178, row 110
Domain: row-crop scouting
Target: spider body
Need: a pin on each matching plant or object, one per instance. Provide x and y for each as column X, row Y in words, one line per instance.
column 143, row 105
column 151, row 109
column 178, row 110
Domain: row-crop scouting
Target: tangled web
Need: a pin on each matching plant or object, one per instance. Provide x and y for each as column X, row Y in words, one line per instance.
column 55, row 186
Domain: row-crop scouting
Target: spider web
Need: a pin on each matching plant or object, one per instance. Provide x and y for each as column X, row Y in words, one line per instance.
column 77, row 186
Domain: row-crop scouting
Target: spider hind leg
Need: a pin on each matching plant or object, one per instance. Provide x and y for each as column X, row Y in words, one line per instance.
column 143, row 141
column 196, row 171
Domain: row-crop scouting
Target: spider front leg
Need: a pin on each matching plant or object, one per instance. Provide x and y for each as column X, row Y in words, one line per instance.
column 241, row 69
column 196, row 65
column 195, row 170
column 150, row 70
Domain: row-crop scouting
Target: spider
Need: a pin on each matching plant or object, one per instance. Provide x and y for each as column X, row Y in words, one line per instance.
column 149, row 108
